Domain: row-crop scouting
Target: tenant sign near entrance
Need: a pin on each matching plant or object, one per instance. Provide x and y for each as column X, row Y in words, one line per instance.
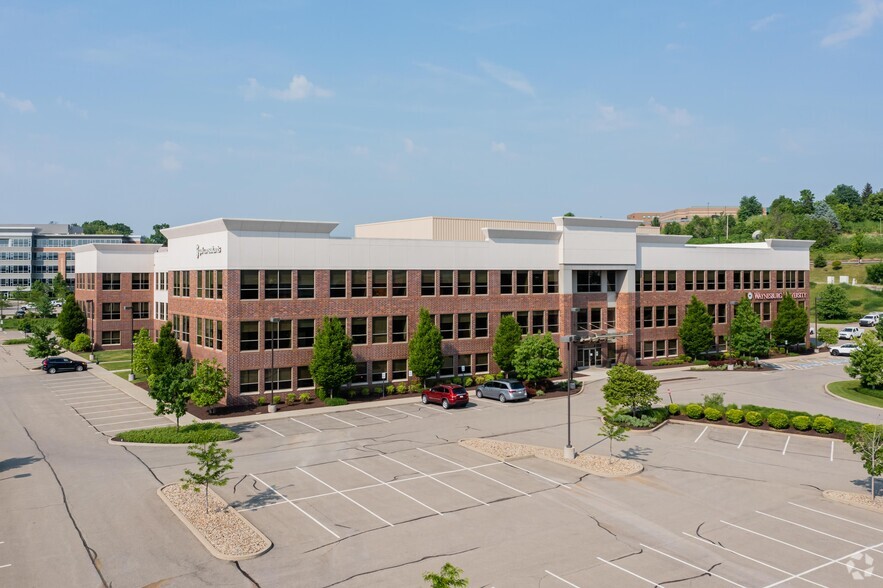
column 757, row 296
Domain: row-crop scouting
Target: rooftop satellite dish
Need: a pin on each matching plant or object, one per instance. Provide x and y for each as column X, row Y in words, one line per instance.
column 756, row 235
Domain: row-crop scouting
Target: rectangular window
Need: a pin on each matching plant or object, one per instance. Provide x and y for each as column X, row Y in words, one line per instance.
column 110, row 281
column 427, row 283
column 700, row 279
column 523, row 319
column 378, row 371
column 447, row 368
column 210, row 284
column 185, row 284
column 248, row 381
column 140, row 310
column 480, row 282
column 552, row 321
column 755, row 279
column 249, row 285
column 611, row 319
column 185, row 328
column 399, row 329
column 801, row 279
column 198, row 284
column 304, row 377
column 446, row 325
column 780, row 281
column 506, row 282
column 536, row 322
column 219, row 282
column 378, row 283
column 110, row 311
column 710, row 274
column 358, row 284
column 464, row 326
column 672, row 347
column 721, row 280
column 721, row 313
column 481, row 363
column 361, row 376
column 766, row 311
column 588, row 281
column 219, row 335
column 306, row 284
column 709, row 308
column 209, row 333
column 249, row 337
column 688, row 280
column 277, row 379
column 140, row 281
column 399, row 283
column 110, row 337
column 378, row 329
column 481, row 324
column 648, row 348
column 582, row 319
column 464, row 283
column 611, row 280
column 277, row 284
column 536, row 282
column 400, row 369
column 176, row 326
column 660, row 316
column 766, row 279
column 672, row 316
column 648, row 317
column 521, row 282
column 595, row 319
column 647, row 281
column 552, row 281
column 337, row 284
column 446, row 283
column 306, row 331
column 660, row 280
column 277, row 335
column 671, row 280
column 359, row 330
column 198, row 326
column 660, row 348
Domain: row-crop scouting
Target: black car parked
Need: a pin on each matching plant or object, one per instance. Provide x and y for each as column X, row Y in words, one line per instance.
column 62, row 364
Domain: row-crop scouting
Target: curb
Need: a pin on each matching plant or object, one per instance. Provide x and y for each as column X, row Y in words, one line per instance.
column 653, row 430
column 211, row 549
column 832, row 395
column 788, row 431
column 828, row 495
column 112, row 441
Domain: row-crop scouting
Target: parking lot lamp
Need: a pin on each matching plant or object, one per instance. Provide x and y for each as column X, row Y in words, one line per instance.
column 569, row 453
column 131, row 310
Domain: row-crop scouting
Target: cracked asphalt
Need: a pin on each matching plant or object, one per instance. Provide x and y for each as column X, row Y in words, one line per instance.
column 340, row 504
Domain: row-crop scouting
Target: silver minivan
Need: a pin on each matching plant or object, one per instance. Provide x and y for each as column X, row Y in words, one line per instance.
column 502, row 390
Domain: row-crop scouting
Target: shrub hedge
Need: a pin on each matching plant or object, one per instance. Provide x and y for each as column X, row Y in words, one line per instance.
column 801, row 423
column 735, row 416
column 694, row 411
column 777, row 420
column 337, row 401
column 194, row 433
column 754, row 418
column 712, row 414
column 823, row 424
column 674, row 409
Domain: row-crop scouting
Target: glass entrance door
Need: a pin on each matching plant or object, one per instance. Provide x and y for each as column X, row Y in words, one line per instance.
column 589, row 356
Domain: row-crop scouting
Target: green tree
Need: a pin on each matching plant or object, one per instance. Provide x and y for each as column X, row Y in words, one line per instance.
column 822, row 210
column 859, row 246
column 671, row 228
column 171, row 390
column 866, row 193
column 59, row 287
column 212, row 463
column 143, row 347
column 100, row 227
column 165, row 354
column 71, row 320
column 610, row 429
column 791, row 323
column 700, row 227
column 866, row 361
column 806, row 204
column 867, row 443
column 448, row 577
column 831, row 303
column 696, row 331
column 569, row 214
column 654, row 222
column 844, row 194
column 874, row 273
column 749, row 206
column 41, row 341
column 157, row 237
column 424, row 348
column 628, row 387
column 819, row 260
column 506, row 341
column 747, row 335
column 210, row 381
column 536, row 358
column 333, row 364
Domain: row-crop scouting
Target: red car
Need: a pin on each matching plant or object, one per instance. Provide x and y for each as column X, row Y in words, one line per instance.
column 447, row 395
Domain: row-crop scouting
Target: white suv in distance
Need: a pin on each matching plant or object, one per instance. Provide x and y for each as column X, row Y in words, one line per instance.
column 845, row 349
column 869, row 320
column 850, row 333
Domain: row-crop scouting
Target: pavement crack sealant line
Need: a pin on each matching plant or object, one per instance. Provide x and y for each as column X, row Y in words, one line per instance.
column 149, row 469
column 696, row 577
column 247, row 576
column 403, row 564
column 698, row 534
column 93, row 556
column 597, row 522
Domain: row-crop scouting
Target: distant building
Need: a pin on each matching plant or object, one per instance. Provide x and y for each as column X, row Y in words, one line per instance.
column 38, row 252
column 685, row 215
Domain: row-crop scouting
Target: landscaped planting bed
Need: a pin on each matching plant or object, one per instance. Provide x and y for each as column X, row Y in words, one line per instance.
column 194, row 433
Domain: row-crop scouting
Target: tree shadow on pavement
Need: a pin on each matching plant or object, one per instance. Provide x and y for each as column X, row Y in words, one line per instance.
column 18, row 462
column 637, row 453
column 865, row 483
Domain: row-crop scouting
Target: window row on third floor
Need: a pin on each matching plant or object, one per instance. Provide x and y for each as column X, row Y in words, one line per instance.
column 112, row 281
column 666, row 280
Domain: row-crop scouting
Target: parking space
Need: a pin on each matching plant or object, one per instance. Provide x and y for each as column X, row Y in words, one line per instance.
column 795, row 544
column 347, row 497
column 103, row 407
column 3, row 564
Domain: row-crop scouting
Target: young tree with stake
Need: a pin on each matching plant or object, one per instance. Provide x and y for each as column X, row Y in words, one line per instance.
column 213, row 463
column 868, row 445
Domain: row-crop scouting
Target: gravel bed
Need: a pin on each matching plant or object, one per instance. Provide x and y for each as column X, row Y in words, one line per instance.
column 222, row 527
column 861, row 500
column 594, row 464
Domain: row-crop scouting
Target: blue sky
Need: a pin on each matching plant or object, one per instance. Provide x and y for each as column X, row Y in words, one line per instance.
column 366, row 111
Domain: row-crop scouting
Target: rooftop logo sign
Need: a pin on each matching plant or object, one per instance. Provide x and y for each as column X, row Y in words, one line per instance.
column 211, row 250
column 757, row 296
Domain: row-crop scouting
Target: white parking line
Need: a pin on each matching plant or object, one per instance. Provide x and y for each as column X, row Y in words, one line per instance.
column 86, row 398
column 86, row 414
column 74, row 385
column 333, row 489
column 441, row 410
column 474, row 472
column 827, row 514
column 824, row 565
column 132, row 421
column 434, row 478
column 703, row 570
column 700, row 435
column 371, row 415
column 832, row 451
column 89, row 390
column 128, row 429
column 391, row 487
column 788, row 440
column 743, row 440
column 403, row 412
column 559, row 578
column 341, row 420
column 269, row 429
column 294, row 505
column 306, row 425
column 811, row 529
column 96, row 403
column 550, row 480
column 5, row 566
column 115, row 416
column 622, row 569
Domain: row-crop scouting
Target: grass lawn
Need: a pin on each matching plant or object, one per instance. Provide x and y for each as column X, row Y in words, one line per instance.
column 114, row 360
column 851, row 390
column 861, row 301
column 195, row 433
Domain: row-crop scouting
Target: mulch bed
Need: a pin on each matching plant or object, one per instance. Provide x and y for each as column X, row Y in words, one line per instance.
column 764, row 427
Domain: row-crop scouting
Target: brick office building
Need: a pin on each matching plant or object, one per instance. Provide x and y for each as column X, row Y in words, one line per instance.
column 252, row 293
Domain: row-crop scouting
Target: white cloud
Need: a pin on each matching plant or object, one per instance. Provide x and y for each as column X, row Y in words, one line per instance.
column 498, row 147
column 507, row 77
column 299, row 88
column 409, row 145
column 764, row 22
column 70, row 106
column 678, row 117
column 855, row 24
column 445, row 72
column 22, row 106
column 610, row 119
column 169, row 160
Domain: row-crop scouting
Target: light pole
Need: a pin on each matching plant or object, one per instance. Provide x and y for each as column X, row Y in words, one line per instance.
column 90, row 304
column 569, row 453
column 273, row 342
column 131, row 310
